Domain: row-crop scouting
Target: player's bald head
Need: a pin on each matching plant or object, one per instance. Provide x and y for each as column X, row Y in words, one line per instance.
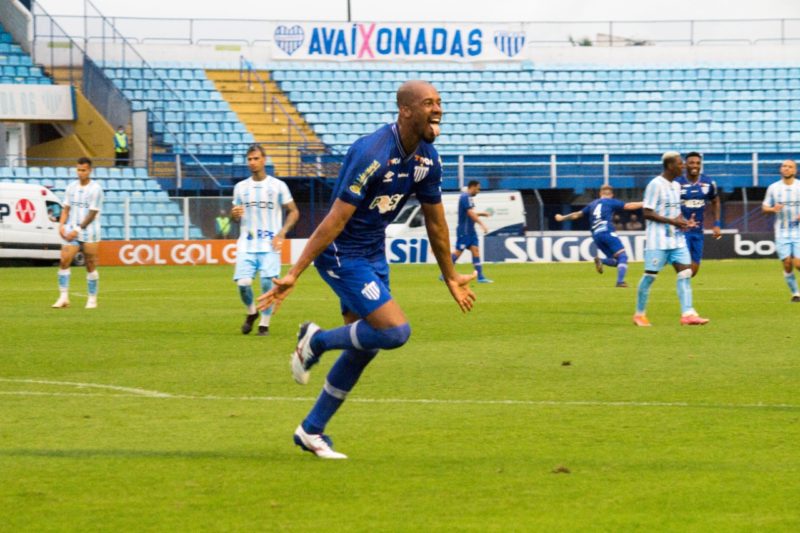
column 410, row 91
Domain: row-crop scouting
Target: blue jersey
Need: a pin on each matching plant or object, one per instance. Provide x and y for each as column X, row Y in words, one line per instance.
column 600, row 213
column 466, row 226
column 377, row 177
column 695, row 197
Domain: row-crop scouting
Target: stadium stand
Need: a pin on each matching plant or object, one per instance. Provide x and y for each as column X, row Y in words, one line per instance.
column 152, row 215
column 16, row 66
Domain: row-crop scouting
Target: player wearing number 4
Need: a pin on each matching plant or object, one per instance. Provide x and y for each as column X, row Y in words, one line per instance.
column 665, row 242
column 600, row 213
column 79, row 226
column 258, row 204
column 783, row 200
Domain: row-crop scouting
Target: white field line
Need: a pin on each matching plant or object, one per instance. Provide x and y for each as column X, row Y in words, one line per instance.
column 132, row 392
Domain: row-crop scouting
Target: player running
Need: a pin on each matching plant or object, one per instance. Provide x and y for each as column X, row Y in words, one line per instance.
column 379, row 173
column 600, row 213
column 783, row 200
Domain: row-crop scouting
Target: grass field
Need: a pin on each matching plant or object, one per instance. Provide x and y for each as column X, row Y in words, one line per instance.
column 153, row 413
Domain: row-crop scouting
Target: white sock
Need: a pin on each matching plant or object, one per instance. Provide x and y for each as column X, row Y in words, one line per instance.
column 265, row 320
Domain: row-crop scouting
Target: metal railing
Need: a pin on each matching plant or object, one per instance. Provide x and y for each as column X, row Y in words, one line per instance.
column 685, row 32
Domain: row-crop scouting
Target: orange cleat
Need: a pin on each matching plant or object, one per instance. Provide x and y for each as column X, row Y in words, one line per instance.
column 641, row 321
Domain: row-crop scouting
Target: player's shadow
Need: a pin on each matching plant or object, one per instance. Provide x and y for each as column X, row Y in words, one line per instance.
column 159, row 454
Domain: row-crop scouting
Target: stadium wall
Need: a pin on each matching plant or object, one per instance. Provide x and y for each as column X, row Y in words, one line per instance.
column 548, row 247
column 17, row 21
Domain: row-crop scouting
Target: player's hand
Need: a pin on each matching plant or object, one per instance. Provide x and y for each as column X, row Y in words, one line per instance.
column 281, row 287
column 485, row 228
column 560, row 217
column 459, row 288
column 277, row 243
column 717, row 232
column 681, row 222
column 237, row 212
column 777, row 208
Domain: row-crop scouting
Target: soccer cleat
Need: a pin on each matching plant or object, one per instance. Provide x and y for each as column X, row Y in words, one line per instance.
column 263, row 331
column 622, row 284
column 796, row 298
column 693, row 320
column 247, row 325
column 62, row 302
column 641, row 321
column 91, row 303
column 317, row 443
column 485, row 280
column 302, row 357
column 598, row 265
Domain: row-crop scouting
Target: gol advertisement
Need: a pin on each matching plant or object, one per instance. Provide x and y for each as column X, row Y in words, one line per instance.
column 210, row 252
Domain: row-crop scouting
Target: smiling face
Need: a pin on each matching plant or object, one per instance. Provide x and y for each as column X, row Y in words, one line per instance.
column 420, row 112
column 693, row 165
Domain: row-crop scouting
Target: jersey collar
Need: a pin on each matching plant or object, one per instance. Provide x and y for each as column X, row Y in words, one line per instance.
column 403, row 155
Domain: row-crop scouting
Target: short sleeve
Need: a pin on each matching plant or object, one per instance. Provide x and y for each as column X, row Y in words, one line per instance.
column 587, row 210
column 769, row 198
column 429, row 189
column 67, row 195
column 237, row 195
column 713, row 192
column 286, row 194
column 96, row 202
column 650, row 196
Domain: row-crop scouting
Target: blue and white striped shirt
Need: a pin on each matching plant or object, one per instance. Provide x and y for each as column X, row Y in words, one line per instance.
column 81, row 200
column 263, row 203
column 786, row 224
column 664, row 198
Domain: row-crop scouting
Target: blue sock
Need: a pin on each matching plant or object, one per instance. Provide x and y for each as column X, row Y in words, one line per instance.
column 476, row 264
column 684, row 286
column 342, row 377
column 246, row 293
column 791, row 281
column 63, row 280
column 266, row 285
column 454, row 257
column 359, row 336
column 609, row 261
column 622, row 267
column 644, row 292
column 92, row 281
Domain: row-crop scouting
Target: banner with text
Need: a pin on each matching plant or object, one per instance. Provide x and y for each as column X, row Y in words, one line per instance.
column 371, row 41
column 36, row 102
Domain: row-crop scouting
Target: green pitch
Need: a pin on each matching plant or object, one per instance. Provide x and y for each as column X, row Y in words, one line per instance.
column 544, row 409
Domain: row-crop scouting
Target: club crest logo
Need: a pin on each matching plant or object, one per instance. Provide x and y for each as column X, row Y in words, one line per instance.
column 509, row 42
column 289, row 39
column 371, row 291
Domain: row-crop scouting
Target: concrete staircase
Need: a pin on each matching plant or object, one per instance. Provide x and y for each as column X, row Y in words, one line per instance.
column 268, row 114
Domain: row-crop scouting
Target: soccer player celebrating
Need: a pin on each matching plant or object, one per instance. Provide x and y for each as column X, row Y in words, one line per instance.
column 466, row 237
column 600, row 213
column 783, row 200
column 698, row 191
column 80, row 227
column 379, row 173
column 665, row 242
column 258, row 204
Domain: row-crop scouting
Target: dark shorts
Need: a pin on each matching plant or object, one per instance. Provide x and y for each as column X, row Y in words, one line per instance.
column 465, row 241
column 361, row 285
column 608, row 243
column 694, row 241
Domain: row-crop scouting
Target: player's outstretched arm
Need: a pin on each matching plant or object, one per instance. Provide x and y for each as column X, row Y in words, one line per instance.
column 439, row 237
column 330, row 228
column 632, row 206
column 575, row 215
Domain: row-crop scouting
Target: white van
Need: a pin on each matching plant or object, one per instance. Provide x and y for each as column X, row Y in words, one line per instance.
column 29, row 222
column 506, row 210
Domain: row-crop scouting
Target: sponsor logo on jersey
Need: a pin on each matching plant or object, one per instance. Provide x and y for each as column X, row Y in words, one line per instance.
column 423, row 160
column 386, row 203
column 371, row 291
column 387, row 178
column 395, row 161
column 362, row 178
